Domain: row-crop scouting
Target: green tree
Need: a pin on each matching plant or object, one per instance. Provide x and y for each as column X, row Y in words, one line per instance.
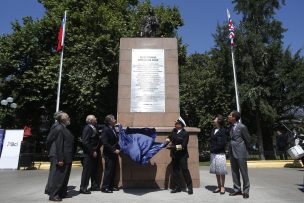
column 203, row 93
column 259, row 47
column 267, row 89
column 269, row 77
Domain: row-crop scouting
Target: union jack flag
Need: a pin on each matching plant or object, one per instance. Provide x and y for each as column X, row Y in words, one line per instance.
column 231, row 29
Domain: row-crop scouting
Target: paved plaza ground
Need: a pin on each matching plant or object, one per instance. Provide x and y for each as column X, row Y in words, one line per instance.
column 267, row 185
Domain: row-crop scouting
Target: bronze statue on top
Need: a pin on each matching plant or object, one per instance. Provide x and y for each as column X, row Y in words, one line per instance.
column 149, row 25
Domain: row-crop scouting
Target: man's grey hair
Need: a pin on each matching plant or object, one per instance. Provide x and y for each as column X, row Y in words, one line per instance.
column 89, row 119
column 58, row 116
column 62, row 117
column 109, row 118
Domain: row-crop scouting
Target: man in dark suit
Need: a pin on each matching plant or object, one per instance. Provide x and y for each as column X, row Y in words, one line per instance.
column 179, row 153
column 61, row 142
column 91, row 152
column 239, row 144
column 49, row 141
column 110, row 153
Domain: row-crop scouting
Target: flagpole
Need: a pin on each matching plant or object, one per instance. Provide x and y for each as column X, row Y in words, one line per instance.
column 233, row 63
column 59, row 81
column 60, row 68
column 235, row 82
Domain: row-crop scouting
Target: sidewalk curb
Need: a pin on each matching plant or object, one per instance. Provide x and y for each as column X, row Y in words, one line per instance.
column 273, row 164
column 251, row 164
column 43, row 165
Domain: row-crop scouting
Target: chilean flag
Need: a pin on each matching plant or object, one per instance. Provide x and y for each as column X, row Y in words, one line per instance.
column 61, row 34
column 231, row 29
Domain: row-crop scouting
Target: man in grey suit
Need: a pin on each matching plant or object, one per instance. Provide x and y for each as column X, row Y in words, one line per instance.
column 239, row 145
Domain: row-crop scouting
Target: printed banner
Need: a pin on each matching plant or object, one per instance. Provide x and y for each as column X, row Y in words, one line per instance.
column 11, row 149
column 1, row 139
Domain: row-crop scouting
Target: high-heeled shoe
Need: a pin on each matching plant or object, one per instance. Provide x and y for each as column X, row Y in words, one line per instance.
column 222, row 192
column 217, row 190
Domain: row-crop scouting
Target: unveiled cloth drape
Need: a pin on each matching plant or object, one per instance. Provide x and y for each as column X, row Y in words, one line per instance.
column 139, row 143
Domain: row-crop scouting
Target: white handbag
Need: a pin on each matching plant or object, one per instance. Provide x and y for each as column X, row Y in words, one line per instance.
column 296, row 152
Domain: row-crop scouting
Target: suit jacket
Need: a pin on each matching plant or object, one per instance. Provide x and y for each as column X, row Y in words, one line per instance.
column 90, row 140
column 51, row 136
column 181, row 138
column 218, row 141
column 109, row 140
column 61, row 141
column 240, row 141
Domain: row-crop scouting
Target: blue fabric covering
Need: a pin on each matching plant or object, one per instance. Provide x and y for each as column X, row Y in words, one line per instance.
column 139, row 143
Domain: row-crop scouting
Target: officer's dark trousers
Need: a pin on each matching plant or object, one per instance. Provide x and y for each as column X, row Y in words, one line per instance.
column 177, row 164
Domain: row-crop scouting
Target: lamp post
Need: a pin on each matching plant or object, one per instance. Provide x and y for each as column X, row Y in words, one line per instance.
column 9, row 104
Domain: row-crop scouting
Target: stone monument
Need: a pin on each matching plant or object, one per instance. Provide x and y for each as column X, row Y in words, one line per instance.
column 148, row 96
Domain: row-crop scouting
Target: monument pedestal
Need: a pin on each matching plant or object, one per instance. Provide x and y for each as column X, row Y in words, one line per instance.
column 148, row 96
column 158, row 173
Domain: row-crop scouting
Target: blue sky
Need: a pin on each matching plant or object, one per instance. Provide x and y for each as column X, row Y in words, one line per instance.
column 200, row 18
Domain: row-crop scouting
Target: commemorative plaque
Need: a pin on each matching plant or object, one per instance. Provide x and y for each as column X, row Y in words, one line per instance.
column 148, row 80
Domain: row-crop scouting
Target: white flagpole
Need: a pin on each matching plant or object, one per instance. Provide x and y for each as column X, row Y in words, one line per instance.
column 235, row 82
column 61, row 62
column 234, row 74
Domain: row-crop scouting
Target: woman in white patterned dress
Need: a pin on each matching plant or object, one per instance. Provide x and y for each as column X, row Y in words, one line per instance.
column 218, row 140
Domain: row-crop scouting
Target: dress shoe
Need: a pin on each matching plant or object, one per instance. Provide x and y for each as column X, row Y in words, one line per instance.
column 217, row 190
column 84, row 192
column 176, row 190
column 94, row 189
column 106, row 190
column 115, row 189
column 235, row 193
column 66, row 196
column 55, row 199
column 245, row 195
column 190, row 191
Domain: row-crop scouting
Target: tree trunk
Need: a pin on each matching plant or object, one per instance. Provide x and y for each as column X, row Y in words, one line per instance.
column 259, row 135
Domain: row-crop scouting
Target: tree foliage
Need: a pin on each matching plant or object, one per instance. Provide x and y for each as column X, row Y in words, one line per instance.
column 203, row 93
column 269, row 76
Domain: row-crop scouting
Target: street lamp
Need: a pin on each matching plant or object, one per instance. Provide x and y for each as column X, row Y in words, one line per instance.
column 9, row 102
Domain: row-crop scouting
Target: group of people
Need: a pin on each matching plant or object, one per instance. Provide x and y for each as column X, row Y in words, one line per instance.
column 60, row 143
column 91, row 142
column 238, row 151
